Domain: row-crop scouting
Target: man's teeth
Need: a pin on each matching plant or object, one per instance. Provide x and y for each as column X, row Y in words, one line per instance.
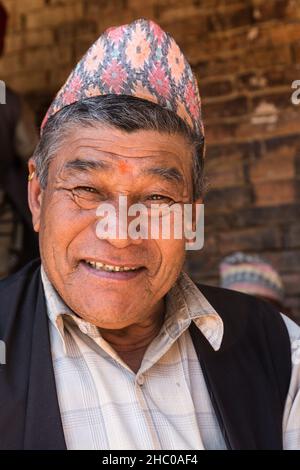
column 108, row 267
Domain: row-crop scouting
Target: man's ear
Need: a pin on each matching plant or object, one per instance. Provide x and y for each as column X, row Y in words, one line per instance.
column 35, row 194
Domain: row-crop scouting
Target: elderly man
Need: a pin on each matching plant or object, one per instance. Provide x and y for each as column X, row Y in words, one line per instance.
column 109, row 345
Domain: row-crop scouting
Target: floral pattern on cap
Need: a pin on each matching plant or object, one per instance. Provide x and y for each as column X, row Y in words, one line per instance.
column 140, row 60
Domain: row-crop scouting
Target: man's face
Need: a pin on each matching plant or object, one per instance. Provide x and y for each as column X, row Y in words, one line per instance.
column 97, row 165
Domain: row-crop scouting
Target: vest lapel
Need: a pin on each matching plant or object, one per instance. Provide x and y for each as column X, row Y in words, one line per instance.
column 43, row 426
column 242, row 396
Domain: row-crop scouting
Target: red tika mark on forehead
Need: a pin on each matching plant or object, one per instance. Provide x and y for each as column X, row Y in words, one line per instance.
column 123, row 167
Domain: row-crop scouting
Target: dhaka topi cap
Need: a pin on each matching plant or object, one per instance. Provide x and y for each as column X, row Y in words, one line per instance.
column 251, row 274
column 138, row 59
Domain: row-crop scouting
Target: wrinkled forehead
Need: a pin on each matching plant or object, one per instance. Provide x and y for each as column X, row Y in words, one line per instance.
column 124, row 159
column 124, row 148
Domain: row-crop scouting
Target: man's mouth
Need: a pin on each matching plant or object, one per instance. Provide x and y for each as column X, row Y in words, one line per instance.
column 111, row 268
column 112, row 271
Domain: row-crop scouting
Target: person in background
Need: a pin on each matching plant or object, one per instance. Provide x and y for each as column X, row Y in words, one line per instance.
column 18, row 137
column 253, row 275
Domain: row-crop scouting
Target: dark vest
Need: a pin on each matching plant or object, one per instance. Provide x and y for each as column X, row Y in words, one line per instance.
column 248, row 378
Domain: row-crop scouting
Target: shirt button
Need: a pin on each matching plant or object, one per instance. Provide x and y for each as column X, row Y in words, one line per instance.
column 140, row 380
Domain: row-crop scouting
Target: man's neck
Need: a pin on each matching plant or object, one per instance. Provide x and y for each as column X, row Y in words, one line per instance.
column 131, row 342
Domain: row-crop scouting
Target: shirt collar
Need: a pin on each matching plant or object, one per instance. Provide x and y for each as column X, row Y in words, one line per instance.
column 58, row 311
column 184, row 303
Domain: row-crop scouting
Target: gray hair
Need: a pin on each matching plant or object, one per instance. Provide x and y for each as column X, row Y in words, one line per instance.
column 123, row 112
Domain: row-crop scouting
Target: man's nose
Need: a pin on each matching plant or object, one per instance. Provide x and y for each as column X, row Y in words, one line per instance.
column 117, row 231
column 124, row 243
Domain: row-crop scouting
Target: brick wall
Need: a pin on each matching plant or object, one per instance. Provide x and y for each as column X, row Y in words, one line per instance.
column 246, row 55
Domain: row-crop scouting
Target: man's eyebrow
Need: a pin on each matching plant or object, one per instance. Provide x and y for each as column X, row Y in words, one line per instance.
column 79, row 164
column 169, row 174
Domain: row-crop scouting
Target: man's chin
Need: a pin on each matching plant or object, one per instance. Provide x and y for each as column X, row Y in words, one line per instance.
column 106, row 310
column 109, row 320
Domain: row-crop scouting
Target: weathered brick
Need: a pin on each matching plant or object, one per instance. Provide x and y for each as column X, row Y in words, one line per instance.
column 245, row 150
column 271, row 10
column 296, row 51
column 223, row 108
column 52, row 16
column 29, row 5
column 285, row 33
column 32, row 39
column 262, row 80
column 178, row 14
column 291, row 283
column 272, row 193
column 47, row 57
column 204, row 265
column 287, row 123
column 210, row 241
column 20, row 82
column 266, row 56
column 215, row 88
column 285, row 261
column 225, row 172
column 10, row 65
column 292, row 235
column 229, row 18
column 67, row 32
column 282, row 142
column 228, row 199
column 249, row 239
column 255, row 216
column 272, row 167
column 280, row 99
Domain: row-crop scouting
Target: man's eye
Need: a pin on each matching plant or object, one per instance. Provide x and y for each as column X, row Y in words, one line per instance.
column 87, row 197
column 160, row 198
column 85, row 188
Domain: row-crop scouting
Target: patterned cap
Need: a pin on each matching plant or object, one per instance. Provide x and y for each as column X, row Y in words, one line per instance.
column 140, row 60
column 252, row 275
